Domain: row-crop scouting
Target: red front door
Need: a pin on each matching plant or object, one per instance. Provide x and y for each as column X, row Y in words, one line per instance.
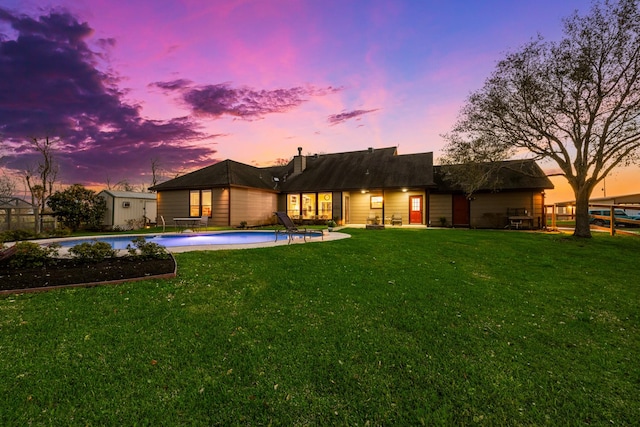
column 415, row 210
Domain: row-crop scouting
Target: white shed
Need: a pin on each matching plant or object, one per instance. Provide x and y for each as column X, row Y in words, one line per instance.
column 128, row 209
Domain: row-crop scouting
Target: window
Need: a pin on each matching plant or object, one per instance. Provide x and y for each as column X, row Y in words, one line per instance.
column 376, row 202
column 200, row 203
column 308, row 206
column 194, row 203
column 324, row 206
column 293, row 205
column 206, row 203
column 416, row 203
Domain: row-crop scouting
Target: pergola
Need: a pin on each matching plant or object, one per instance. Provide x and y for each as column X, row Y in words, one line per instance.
column 16, row 214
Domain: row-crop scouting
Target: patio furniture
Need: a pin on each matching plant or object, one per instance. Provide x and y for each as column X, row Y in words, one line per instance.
column 185, row 224
column 519, row 218
column 203, row 223
column 396, row 219
column 291, row 229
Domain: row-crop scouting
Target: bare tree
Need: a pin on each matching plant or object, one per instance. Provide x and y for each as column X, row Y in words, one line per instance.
column 41, row 178
column 7, row 186
column 575, row 102
column 155, row 171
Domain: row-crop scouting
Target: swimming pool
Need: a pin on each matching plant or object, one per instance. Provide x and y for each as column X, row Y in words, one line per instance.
column 180, row 240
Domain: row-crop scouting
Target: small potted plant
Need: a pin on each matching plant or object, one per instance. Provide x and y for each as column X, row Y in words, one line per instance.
column 331, row 223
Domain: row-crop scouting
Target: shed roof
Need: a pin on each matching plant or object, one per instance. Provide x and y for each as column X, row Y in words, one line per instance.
column 129, row 194
column 14, row 203
column 506, row 175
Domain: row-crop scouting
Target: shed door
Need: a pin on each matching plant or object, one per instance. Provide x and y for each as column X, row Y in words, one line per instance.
column 461, row 210
column 415, row 210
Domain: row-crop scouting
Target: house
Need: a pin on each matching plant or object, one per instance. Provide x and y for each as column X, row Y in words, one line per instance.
column 128, row 210
column 509, row 188
column 359, row 187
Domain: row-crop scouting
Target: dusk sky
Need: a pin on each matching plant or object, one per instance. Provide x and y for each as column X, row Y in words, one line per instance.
column 191, row 82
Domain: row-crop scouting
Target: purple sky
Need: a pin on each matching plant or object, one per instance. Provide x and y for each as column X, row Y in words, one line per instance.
column 187, row 83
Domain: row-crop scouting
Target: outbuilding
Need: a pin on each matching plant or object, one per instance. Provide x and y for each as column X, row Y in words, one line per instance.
column 129, row 210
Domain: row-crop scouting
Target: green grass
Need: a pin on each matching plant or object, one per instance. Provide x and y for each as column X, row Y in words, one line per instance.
column 393, row 327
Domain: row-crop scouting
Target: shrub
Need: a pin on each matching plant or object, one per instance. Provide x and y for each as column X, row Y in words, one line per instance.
column 147, row 249
column 60, row 232
column 93, row 251
column 16, row 235
column 78, row 205
column 32, row 255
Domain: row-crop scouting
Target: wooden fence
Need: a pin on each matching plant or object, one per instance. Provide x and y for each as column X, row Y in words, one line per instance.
column 607, row 219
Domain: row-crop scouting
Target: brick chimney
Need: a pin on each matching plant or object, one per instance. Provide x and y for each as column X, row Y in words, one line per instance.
column 299, row 162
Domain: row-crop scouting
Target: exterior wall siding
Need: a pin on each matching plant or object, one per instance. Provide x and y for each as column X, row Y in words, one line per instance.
column 256, row 207
column 173, row 204
column 395, row 202
column 360, row 205
column 253, row 206
column 220, row 207
column 440, row 206
column 489, row 210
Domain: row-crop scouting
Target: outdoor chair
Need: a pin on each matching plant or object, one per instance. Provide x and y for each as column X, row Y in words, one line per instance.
column 292, row 230
column 203, row 222
column 373, row 219
column 396, row 219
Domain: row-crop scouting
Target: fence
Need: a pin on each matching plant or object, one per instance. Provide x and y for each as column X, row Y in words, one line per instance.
column 603, row 217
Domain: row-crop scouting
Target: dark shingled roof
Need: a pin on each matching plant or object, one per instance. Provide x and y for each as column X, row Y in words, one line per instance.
column 507, row 175
column 367, row 169
column 372, row 169
column 224, row 174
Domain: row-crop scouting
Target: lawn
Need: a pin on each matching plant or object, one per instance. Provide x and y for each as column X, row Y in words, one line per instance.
column 389, row 327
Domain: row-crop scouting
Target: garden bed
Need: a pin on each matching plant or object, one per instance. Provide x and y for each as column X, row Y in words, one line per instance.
column 70, row 272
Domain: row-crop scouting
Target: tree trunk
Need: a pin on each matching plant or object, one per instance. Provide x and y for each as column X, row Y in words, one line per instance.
column 583, row 228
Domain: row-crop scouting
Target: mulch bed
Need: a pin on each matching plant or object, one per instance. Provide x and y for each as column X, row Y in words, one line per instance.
column 69, row 272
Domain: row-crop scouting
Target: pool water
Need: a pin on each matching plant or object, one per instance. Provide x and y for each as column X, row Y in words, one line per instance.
column 173, row 240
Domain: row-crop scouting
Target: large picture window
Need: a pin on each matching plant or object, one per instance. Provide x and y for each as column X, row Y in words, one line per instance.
column 308, row 205
column 200, row 203
column 324, row 206
column 293, row 206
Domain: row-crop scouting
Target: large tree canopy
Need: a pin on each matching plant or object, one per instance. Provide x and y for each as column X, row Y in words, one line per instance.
column 575, row 102
column 78, row 206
